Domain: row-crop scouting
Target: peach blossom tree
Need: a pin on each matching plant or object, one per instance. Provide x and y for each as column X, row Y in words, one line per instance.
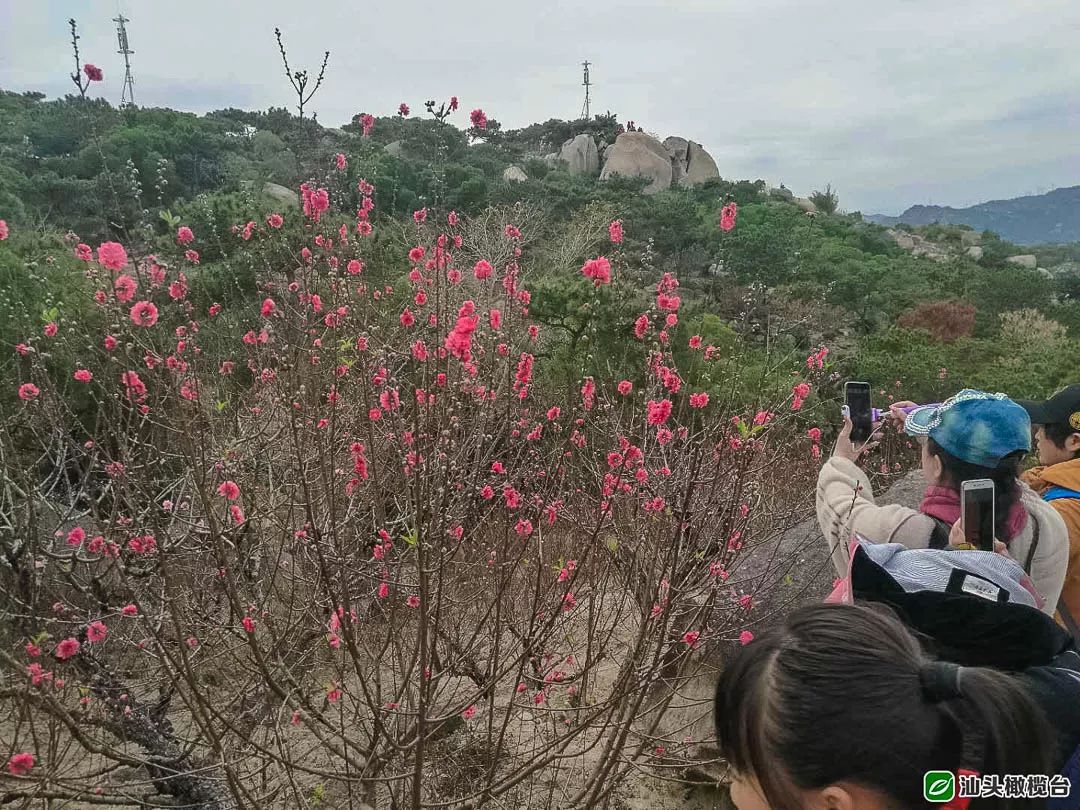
column 348, row 543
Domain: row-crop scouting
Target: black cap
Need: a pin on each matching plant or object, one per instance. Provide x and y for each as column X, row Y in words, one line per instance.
column 1063, row 408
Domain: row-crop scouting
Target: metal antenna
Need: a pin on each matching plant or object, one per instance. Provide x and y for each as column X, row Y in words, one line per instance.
column 127, row 98
column 585, row 109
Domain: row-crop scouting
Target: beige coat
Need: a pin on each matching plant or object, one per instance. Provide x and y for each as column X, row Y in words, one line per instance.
column 845, row 507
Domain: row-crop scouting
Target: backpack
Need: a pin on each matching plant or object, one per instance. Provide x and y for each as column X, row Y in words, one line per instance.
column 1055, row 688
column 1060, row 493
column 939, row 538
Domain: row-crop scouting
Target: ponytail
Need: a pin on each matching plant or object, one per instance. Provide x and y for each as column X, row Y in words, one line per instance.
column 844, row 693
column 1006, row 478
column 1005, row 730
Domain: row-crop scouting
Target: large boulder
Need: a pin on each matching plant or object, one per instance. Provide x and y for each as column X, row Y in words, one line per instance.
column 930, row 250
column 806, row 205
column 677, row 147
column 780, row 194
column 395, row 149
column 700, row 166
column 580, row 155
column 281, row 194
column 1026, row 260
column 636, row 154
column 970, row 238
column 551, row 160
column 974, row 252
column 691, row 165
column 514, row 174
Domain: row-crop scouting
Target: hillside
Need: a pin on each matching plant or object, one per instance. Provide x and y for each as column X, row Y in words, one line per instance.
column 1053, row 217
column 455, row 459
column 785, row 278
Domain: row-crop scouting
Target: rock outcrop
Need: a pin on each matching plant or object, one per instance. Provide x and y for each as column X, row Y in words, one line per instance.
column 904, row 240
column 1026, row 260
column 580, row 155
column 677, row 147
column 970, row 238
column 395, row 148
column 514, row 174
column 974, row 252
column 636, row 154
column 280, row 194
column 919, row 246
column 691, row 165
column 805, row 204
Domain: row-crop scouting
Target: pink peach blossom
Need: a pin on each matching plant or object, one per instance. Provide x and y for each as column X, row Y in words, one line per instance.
column 20, row 764
column 144, row 314
column 67, row 648
column 112, row 255
column 229, row 490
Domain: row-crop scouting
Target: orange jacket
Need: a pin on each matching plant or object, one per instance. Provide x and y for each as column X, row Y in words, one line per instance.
column 1066, row 474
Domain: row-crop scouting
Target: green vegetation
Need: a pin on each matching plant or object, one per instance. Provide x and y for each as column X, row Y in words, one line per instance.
column 781, row 280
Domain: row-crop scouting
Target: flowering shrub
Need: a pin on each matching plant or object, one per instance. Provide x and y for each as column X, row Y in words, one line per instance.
column 347, row 539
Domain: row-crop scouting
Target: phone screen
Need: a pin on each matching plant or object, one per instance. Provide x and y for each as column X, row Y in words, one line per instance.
column 979, row 517
column 857, row 398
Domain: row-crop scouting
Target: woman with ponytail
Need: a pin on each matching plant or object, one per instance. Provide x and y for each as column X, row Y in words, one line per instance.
column 839, row 708
column 971, row 435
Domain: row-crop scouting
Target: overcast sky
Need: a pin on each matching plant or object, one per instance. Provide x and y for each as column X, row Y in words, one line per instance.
column 894, row 102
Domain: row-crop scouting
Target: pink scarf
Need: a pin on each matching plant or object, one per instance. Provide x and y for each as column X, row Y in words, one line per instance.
column 944, row 504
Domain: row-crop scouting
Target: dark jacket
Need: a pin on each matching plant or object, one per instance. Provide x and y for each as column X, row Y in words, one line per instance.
column 972, row 631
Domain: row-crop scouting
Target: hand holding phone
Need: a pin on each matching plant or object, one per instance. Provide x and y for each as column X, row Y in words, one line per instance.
column 898, row 412
column 860, row 410
column 977, row 512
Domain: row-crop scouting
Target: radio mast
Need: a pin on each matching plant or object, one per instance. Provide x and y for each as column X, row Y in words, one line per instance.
column 585, row 109
column 127, row 98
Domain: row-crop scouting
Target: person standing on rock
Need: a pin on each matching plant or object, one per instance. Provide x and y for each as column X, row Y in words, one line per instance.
column 970, row 436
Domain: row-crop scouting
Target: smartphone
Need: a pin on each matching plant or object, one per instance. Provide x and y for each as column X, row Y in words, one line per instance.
column 857, row 399
column 977, row 512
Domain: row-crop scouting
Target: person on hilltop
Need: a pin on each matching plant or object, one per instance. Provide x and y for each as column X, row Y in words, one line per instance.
column 840, row 708
column 1057, row 440
column 969, row 436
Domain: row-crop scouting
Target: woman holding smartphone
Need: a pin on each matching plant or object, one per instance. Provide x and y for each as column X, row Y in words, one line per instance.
column 973, row 435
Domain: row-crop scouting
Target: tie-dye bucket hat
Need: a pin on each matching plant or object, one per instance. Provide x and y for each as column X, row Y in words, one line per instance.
column 974, row 426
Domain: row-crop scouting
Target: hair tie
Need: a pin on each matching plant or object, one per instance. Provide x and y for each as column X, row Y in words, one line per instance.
column 940, row 680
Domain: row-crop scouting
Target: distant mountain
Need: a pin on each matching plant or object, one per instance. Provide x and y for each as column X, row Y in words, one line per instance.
column 1050, row 217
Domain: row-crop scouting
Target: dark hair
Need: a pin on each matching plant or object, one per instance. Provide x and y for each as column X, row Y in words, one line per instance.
column 840, row 693
column 1006, row 478
column 1059, row 432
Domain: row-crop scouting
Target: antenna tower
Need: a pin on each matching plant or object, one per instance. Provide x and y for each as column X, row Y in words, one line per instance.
column 585, row 109
column 127, row 98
